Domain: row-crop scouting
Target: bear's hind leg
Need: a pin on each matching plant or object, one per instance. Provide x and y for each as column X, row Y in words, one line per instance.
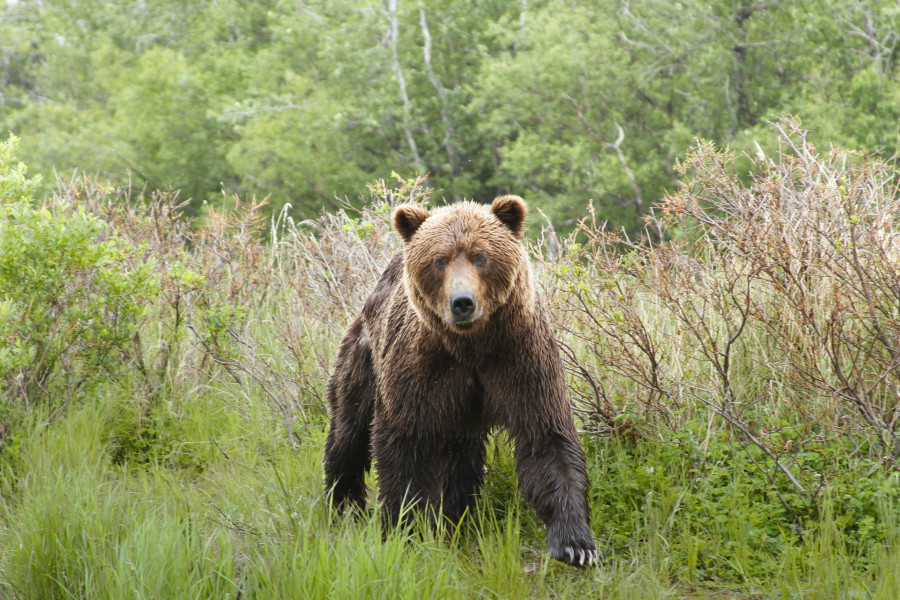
column 463, row 477
column 351, row 399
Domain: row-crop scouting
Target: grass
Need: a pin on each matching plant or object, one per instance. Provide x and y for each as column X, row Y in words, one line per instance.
column 221, row 507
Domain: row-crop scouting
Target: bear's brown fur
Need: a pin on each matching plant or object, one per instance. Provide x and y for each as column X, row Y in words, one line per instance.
column 455, row 340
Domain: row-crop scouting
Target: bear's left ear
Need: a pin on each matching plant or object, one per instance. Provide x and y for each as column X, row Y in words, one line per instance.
column 408, row 218
column 511, row 210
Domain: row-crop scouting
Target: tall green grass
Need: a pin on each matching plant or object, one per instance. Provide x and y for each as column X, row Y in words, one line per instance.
column 244, row 515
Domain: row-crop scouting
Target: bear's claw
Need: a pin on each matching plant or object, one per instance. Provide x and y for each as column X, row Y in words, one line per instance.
column 587, row 557
column 580, row 557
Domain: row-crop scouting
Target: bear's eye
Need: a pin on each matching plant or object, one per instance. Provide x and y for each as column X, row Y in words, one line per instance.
column 440, row 263
column 480, row 259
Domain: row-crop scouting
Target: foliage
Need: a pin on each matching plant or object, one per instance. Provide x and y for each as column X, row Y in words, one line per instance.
column 562, row 102
column 14, row 186
column 719, row 516
column 71, row 297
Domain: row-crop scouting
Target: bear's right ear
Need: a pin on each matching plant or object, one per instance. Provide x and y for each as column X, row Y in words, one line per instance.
column 408, row 218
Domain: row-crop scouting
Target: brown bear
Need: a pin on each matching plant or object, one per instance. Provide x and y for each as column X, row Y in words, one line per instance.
column 454, row 341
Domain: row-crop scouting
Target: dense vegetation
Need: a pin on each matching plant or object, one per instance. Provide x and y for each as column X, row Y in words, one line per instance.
column 308, row 101
column 733, row 355
column 735, row 380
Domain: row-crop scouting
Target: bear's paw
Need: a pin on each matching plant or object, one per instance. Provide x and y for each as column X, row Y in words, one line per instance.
column 573, row 545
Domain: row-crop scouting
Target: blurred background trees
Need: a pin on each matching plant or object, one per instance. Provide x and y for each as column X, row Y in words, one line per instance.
column 563, row 102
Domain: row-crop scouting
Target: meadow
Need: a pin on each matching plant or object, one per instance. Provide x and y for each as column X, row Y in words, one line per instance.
column 734, row 370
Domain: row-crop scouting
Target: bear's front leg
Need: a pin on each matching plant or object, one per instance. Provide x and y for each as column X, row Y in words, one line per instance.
column 552, row 476
column 408, row 472
column 527, row 390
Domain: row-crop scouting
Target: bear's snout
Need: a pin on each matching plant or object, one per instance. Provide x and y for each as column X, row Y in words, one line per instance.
column 463, row 293
column 462, row 305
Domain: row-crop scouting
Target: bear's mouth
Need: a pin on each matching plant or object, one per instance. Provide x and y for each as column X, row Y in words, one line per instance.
column 466, row 326
column 465, row 323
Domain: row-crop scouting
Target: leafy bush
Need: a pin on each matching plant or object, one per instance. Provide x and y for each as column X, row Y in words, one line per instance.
column 71, row 295
column 719, row 516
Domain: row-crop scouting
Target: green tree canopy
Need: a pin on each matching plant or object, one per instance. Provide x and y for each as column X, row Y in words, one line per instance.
column 563, row 102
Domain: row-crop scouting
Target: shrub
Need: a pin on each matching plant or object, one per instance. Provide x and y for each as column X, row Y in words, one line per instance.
column 768, row 307
column 271, row 311
column 71, row 296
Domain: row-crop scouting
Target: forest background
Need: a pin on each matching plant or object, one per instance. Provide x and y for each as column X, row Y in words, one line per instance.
column 562, row 102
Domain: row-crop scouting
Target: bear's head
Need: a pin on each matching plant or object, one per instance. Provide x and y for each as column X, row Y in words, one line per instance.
column 463, row 262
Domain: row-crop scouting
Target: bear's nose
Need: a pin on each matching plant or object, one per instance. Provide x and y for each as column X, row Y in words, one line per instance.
column 462, row 304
